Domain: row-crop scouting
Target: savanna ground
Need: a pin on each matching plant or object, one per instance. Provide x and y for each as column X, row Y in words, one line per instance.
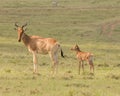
column 71, row 22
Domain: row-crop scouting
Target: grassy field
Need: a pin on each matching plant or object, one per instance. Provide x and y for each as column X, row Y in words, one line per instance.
column 71, row 22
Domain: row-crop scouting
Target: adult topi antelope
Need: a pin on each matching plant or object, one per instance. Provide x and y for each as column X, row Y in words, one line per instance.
column 36, row 44
column 83, row 56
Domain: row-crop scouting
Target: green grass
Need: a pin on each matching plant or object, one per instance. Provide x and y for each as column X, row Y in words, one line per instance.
column 78, row 21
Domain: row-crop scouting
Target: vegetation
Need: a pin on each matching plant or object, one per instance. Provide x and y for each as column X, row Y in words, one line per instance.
column 71, row 22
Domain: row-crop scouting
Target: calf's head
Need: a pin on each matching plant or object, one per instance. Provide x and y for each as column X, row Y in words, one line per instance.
column 75, row 48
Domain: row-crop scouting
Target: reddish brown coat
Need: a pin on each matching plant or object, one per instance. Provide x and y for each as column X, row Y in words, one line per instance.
column 83, row 56
column 37, row 44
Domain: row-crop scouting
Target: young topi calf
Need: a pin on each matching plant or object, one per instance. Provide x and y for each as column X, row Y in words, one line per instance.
column 83, row 56
column 37, row 44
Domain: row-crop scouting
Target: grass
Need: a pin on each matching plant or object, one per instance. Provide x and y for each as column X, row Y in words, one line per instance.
column 71, row 22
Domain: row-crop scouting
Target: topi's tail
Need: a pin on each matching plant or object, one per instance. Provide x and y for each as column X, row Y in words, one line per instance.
column 62, row 53
column 60, row 50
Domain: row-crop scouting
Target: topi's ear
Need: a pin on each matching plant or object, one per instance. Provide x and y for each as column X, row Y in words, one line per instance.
column 16, row 25
column 25, row 29
column 24, row 25
column 15, row 28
